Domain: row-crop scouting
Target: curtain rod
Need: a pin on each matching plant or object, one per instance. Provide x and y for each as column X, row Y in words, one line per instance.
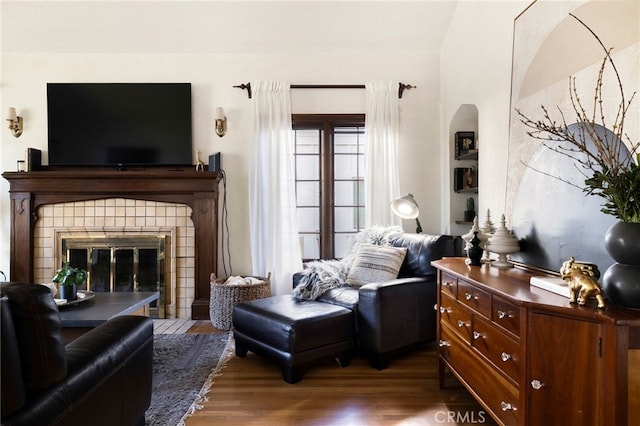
column 401, row 87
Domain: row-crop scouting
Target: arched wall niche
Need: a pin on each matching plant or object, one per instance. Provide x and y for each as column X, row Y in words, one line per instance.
column 465, row 119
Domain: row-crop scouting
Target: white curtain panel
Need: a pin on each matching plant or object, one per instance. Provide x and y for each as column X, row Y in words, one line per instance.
column 275, row 247
column 381, row 157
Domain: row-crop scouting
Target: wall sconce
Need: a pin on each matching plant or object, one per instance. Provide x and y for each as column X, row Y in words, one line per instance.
column 221, row 122
column 15, row 122
column 406, row 207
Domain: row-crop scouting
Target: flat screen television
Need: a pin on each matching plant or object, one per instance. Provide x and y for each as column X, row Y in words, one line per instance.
column 119, row 124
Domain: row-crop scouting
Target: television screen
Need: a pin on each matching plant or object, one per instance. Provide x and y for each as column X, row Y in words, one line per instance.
column 102, row 124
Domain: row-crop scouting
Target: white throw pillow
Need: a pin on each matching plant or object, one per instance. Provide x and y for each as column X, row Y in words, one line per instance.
column 375, row 263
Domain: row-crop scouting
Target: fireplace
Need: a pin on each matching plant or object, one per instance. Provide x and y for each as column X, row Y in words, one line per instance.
column 80, row 204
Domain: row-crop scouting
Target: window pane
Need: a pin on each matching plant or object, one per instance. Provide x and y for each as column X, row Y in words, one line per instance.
column 310, row 245
column 308, row 193
column 346, row 193
column 346, row 166
column 307, row 141
column 346, row 219
column 309, row 219
column 343, row 243
column 347, row 142
column 307, row 167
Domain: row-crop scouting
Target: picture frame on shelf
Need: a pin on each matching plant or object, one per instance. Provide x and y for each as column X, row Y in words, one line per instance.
column 465, row 143
column 465, row 179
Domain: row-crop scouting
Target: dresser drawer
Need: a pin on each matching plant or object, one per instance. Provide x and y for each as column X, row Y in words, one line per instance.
column 506, row 315
column 455, row 316
column 494, row 392
column 473, row 297
column 449, row 284
column 499, row 348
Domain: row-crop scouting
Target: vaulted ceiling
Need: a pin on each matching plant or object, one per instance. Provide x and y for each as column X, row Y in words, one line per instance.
column 224, row 26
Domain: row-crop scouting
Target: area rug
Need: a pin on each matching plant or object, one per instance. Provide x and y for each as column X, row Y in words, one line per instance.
column 184, row 367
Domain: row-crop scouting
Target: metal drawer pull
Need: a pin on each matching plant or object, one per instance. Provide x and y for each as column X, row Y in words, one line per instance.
column 445, row 310
column 505, row 406
column 505, row 356
column 470, row 296
column 536, row 384
column 447, row 284
column 476, row 335
column 443, row 343
column 462, row 323
column 503, row 314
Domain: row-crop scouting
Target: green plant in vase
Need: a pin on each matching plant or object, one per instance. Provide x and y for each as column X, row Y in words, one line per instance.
column 69, row 279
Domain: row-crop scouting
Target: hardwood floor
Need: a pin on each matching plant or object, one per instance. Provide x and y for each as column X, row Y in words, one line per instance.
column 250, row 391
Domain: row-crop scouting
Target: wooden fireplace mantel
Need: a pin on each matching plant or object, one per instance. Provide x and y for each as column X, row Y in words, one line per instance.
column 199, row 190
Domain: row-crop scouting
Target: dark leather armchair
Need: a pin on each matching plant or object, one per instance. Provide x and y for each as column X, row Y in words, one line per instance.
column 396, row 315
column 101, row 378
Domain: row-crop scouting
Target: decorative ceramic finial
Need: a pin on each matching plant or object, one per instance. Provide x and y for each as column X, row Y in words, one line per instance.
column 487, row 226
column 487, row 229
column 502, row 243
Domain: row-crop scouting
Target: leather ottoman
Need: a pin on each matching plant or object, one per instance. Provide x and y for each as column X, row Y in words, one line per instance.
column 294, row 333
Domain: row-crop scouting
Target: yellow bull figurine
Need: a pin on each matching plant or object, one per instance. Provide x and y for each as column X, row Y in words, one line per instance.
column 582, row 283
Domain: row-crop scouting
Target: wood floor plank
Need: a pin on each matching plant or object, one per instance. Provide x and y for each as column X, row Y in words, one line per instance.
column 251, row 391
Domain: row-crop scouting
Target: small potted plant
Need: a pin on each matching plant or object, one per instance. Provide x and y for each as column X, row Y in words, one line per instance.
column 68, row 279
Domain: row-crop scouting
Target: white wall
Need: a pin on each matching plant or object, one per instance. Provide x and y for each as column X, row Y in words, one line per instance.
column 43, row 52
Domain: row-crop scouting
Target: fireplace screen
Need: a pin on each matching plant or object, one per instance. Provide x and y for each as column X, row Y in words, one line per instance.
column 124, row 263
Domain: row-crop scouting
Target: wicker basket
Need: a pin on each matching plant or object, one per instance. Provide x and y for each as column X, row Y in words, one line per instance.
column 225, row 296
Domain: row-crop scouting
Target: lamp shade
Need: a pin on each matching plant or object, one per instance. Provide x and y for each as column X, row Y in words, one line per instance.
column 405, row 207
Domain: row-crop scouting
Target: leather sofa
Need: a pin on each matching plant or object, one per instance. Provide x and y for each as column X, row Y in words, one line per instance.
column 102, row 378
column 396, row 315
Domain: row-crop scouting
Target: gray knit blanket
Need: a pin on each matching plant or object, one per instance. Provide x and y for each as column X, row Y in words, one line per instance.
column 320, row 276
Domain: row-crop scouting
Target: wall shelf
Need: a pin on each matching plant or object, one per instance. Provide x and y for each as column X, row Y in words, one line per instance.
column 470, row 155
column 468, row 190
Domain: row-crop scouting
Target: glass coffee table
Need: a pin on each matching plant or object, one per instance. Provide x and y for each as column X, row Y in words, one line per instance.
column 78, row 318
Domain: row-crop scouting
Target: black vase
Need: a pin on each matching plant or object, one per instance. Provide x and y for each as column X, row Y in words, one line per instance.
column 621, row 281
column 69, row 292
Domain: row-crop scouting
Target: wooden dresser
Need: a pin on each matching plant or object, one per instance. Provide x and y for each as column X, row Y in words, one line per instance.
column 532, row 358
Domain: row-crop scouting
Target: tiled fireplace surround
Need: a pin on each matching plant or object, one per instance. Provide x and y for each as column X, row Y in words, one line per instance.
column 115, row 217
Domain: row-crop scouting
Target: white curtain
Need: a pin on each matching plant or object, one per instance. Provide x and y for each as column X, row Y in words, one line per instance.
column 381, row 164
column 275, row 246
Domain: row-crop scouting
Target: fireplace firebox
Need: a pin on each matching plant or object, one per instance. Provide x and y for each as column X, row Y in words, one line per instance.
column 120, row 264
